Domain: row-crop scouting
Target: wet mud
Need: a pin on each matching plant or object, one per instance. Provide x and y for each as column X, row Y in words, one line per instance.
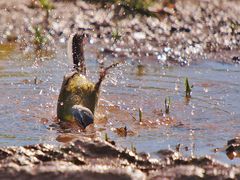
column 88, row 158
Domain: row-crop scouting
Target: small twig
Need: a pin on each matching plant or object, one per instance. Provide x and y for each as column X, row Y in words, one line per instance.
column 85, row 29
column 132, row 116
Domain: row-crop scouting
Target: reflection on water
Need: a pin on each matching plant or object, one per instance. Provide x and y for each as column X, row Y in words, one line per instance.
column 200, row 124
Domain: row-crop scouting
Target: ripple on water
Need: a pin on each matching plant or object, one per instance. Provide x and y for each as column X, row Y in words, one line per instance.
column 206, row 121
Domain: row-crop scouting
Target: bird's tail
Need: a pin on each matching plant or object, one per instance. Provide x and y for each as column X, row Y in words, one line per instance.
column 76, row 52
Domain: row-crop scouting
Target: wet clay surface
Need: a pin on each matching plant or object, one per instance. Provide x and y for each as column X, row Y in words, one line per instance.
column 93, row 159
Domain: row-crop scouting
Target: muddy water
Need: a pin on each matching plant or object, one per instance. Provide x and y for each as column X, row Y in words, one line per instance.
column 29, row 89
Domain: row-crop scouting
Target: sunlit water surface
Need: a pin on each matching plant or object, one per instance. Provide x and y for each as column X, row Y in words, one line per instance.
column 207, row 121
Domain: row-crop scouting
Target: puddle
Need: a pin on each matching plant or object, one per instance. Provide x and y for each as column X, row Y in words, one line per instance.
column 205, row 122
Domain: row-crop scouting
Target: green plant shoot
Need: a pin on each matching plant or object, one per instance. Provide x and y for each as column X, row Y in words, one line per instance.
column 140, row 114
column 188, row 88
column 167, row 105
column 106, row 137
column 39, row 38
column 133, row 148
column 46, row 6
column 116, row 35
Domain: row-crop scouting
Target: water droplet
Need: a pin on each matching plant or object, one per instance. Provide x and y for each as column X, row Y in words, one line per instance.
column 162, row 57
column 192, row 112
column 118, row 49
column 167, row 49
column 62, row 40
column 91, row 41
column 191, row 132
column 176, row 87
column 205, row 90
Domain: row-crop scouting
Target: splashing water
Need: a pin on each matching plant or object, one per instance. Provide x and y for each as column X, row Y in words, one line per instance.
column 204, row 122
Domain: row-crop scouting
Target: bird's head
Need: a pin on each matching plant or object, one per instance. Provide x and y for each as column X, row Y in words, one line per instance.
column 82, row 116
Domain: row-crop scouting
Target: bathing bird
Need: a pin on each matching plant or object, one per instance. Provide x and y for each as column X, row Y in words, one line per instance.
column 79, row 96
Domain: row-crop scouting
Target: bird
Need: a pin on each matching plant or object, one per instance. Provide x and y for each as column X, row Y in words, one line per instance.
column 78, row 97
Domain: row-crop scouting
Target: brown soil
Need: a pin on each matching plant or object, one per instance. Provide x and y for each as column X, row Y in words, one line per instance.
column 96, row 159
column 191, row 31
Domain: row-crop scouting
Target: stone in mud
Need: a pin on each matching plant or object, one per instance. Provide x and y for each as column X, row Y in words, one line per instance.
column 233, row 149
column 236, row 59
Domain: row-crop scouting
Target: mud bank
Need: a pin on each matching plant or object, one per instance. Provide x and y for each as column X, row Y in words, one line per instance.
column 94, row 159
column 188, row 31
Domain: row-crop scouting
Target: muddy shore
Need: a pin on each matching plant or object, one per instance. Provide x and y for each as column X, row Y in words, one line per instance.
column 94, row 159
column 188, row 31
